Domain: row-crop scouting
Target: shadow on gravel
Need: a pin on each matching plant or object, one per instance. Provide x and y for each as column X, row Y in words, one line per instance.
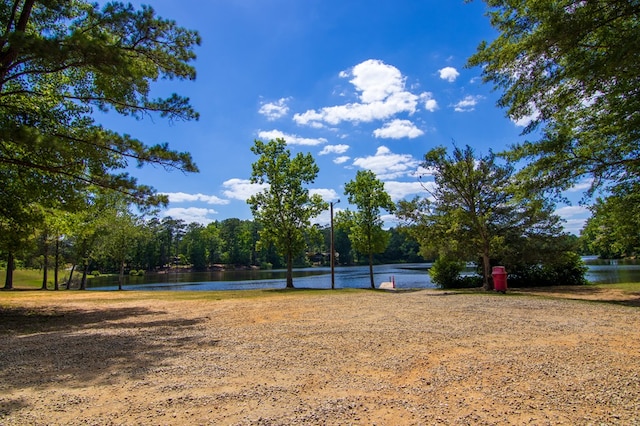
column 67, row 348
column 585, row 293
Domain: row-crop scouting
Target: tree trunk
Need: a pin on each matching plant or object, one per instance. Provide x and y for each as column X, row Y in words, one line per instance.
column 289, row 270
column 486, row 271
column 45, row 261
column 56, row 265
column 121, row 276
column 373, row 284
column 8, row 282
column 73, row 268
column 85, row 269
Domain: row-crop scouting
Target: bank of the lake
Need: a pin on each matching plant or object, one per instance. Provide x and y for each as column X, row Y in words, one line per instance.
column 405, row 276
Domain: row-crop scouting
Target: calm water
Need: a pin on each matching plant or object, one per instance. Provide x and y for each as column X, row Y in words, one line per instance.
column 405, row 276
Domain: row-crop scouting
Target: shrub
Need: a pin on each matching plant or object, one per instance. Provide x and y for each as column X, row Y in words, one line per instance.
column 95, row 273
column 567, row 269
column 133, row 272
column 141, row 272
column 445, row 273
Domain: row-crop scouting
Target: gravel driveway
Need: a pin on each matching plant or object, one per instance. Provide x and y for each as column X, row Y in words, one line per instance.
column 323, row 357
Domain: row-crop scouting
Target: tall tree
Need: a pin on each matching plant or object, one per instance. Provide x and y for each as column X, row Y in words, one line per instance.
column 471, row 211
column 60, row 62
column 284, row 207
column 614, row 227
column 367, row 193
column 570, row 68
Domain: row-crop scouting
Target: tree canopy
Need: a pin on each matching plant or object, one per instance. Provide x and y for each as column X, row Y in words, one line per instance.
column 60, row 63
column 471, row 213
column 569, row 68
column 367, row 193
column 284, row 207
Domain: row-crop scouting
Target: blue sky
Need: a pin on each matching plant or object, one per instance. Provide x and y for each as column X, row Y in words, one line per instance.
column 359, row 84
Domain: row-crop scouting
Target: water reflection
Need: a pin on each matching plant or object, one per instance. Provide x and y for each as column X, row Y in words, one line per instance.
column 405, row 276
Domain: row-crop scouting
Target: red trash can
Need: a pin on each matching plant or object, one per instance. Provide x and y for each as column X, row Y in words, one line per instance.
column 499, row 275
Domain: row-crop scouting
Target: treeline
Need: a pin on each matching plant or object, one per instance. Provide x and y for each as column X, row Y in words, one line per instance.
column 157, row 244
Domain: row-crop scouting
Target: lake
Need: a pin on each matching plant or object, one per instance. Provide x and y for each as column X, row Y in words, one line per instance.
column 405, row 276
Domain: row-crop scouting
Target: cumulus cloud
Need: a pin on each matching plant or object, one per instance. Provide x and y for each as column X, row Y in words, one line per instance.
column 241, row 189
column 387, row 165
column 400, row 190
column 467, row 104
column 398, row 129
column 574, row 217
column 334, row 149
column 326, row 194
column 341, row 159
column 191, row 214
column 275, row 110
column 430, row 103
column 183, row 197
column 291, row 139
column 449, row 73
column 381, row 92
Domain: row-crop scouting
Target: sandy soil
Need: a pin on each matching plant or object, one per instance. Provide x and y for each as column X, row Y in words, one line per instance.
column 386, row 358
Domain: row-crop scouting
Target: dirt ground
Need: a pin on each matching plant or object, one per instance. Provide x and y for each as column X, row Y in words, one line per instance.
column 539, row 357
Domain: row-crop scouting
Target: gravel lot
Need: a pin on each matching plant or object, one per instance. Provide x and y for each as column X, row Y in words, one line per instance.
column 322, row 357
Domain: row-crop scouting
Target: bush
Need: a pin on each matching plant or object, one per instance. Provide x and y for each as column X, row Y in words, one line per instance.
column 141, row 272
column 445, row 273
column 133, row 272
column 95, row 273
column 567, row 269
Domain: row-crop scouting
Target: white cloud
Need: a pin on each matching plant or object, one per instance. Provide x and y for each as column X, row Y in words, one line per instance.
column 387, row 165
column 241, row 189
column 398, row 129
column 581, row 186
column 467, row 104
column 574, row 217
column 342, row 159
column 430, row 103
column 290, row 139
column 275, row 110
column 334, row 149
column 382, row 94
column 182, row 197
column 449, row 73
column 400, row 190
column 326, row 194
column 191, row 214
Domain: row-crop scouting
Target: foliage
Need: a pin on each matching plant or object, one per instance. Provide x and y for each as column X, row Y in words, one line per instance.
column 367, row 193
column 474, row 214
column 445, row 273
column 614, row 227
column 567, row 269
column 60, row 63
column 571, row 68
column 284, row 207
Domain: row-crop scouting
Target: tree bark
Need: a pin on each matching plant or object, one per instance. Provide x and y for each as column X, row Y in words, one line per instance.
column 289, row 270
column 8, row 282
column 121, row 276
column 56, row 264
column 373, row 284
column 486, row 267
column 83, row 281
column 73, row 268
column 45, row 261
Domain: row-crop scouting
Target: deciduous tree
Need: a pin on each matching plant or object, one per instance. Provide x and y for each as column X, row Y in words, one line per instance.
column 367, row 193
column 284, row 207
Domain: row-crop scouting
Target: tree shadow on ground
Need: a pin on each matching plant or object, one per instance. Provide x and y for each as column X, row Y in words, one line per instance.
column 586, row 293
column 57, row 348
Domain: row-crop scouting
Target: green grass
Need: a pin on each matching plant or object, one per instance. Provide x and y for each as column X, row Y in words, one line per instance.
column 627, row 287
